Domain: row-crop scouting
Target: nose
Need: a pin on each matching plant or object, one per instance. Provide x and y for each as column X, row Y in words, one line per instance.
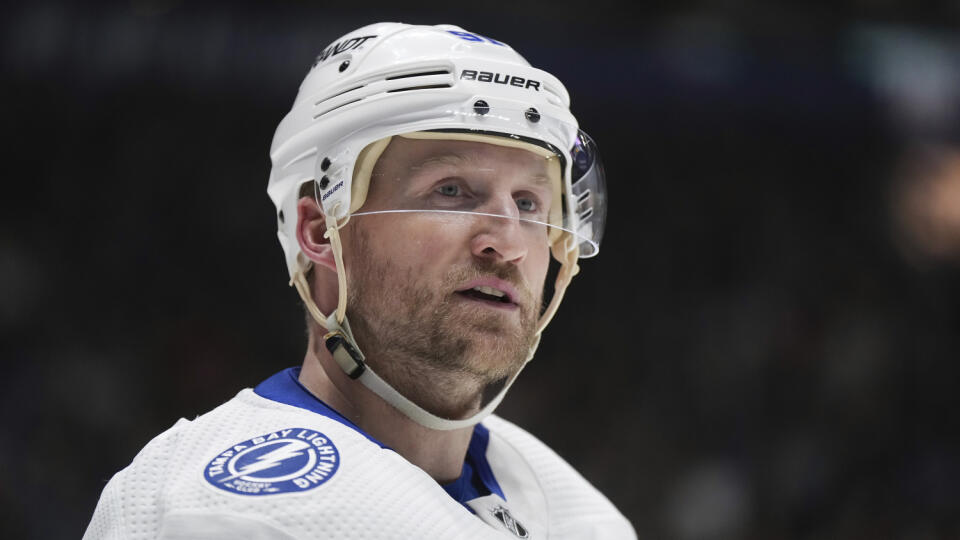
column 498, row 236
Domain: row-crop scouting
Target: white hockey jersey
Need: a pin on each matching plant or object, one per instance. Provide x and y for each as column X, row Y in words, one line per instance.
column 276, row 462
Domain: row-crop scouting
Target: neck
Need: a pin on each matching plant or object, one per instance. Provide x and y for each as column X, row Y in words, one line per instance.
column 439, row 453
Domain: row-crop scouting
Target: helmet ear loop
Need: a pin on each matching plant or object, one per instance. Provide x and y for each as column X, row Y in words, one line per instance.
column 568, row 269
column 339, row 338
column 333, row 234
column 299, row 279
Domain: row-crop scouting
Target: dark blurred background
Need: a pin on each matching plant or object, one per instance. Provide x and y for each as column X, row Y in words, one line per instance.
column 766, row 347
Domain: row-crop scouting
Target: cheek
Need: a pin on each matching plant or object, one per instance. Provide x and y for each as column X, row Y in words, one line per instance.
column 413, row 243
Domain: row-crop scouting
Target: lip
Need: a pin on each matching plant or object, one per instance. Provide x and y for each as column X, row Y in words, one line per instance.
column 493, row 283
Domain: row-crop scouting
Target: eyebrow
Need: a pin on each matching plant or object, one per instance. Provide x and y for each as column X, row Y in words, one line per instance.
column 456, row 160
column 442, row 159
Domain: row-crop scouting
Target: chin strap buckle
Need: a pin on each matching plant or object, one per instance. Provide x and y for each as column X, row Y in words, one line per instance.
column 347, row 356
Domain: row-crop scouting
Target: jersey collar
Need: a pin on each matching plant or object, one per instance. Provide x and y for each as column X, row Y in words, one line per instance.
column 476, row 477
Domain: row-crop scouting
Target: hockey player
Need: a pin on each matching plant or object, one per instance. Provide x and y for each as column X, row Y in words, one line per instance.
column 422, row 180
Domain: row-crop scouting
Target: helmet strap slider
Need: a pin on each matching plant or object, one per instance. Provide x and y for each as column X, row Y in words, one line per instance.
column 348, row 357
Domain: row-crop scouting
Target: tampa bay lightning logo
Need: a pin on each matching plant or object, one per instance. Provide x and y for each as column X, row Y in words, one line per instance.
column 285, row 461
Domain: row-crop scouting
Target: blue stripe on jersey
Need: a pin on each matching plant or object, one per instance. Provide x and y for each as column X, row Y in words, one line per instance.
column 476, row 478
column 285, row 387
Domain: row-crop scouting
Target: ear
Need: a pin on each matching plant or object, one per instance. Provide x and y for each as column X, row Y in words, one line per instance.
column 311, row 225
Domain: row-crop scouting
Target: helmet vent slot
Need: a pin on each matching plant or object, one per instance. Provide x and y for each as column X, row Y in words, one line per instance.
column 423, row 78
column 325, row 101
column 430, row 77
column 424, row 87
column 419, row 74
column 323, row 112
column 340, row 93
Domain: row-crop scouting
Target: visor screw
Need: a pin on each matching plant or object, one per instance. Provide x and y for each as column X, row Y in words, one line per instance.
column 532, row 115
column 324, row 182
column 325, row 164
column 344, row 66
column 481, row 107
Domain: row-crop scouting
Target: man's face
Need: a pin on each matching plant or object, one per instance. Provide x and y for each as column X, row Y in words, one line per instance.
column 420, row 282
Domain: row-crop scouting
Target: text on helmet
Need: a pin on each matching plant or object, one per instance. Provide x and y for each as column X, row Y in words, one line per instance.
column 341, row 46
column 499, row 78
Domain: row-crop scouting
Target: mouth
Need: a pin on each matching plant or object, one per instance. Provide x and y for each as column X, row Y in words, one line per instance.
column 497, row 295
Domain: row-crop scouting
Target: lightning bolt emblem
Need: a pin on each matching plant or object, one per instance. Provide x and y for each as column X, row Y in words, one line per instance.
column 273, row 458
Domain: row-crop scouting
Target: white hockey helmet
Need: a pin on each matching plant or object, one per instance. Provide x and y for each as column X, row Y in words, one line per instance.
column 393, row 79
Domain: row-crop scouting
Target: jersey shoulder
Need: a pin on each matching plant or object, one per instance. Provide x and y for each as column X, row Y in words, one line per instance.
column 254, row 466
column 548, row 489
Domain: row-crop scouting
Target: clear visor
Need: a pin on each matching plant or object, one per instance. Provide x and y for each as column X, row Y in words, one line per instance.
column 588, row 192
column 495, row 168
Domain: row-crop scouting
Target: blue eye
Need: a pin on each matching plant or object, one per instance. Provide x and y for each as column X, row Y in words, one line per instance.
column 449, row 190
column 526, row 205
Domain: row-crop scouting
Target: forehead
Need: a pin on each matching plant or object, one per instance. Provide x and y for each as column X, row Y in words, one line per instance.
column 405, row 157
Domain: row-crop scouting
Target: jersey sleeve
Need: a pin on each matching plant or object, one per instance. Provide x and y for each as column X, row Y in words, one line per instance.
column 107, row 522
column 128, row 506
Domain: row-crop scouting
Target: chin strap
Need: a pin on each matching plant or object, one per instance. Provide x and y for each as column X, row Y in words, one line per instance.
column 343, row 347
column 567, row 252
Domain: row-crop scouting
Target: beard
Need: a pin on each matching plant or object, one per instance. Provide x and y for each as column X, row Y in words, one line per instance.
column 428, row 342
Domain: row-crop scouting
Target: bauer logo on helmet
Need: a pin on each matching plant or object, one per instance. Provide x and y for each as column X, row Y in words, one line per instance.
column 499, row 78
